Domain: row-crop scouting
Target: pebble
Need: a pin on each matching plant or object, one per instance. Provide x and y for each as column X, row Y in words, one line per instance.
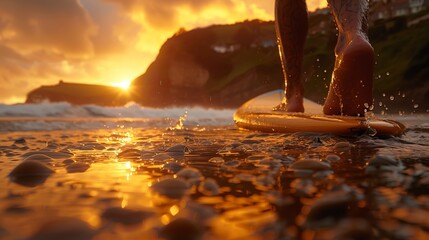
column 180, row 229
column 54, row 155
column 172, row 167
column 191, row 175
column 216, row 160
column 232, row 164
column 330, row 208
column 30, row 173
column 77, row 167
column 303, row 187
column 125, row 216
column 20, row 141
column 65, row 229
column 332, row 158
column 383, row 163
column 171, row 187
column 209, row 187
column 310, row 164
column 39, row 157
column 342, row 146
column 162, row 157
column 353, row 228
column 130, row 153
column 179, row 149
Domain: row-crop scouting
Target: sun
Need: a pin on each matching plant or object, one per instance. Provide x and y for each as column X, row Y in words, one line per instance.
column 125, row 85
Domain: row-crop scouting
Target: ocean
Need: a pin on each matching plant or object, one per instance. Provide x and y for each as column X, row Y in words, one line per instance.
column 131, row 172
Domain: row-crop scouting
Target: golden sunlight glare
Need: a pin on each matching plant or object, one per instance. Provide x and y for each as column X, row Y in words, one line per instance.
column 125, row 85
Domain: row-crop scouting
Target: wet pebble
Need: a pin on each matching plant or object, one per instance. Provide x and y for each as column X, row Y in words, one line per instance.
column 255, row 158
column 172, row 167
column 180, row 229
column 342, row 146
column 77, row 167
column 353, row 228
column 209, row 187
column 39, row 157
column 171, row 187
column 330, row 208
column 303, row 187
column 382, row 162
column 65, row 229
column 162, row 157
column 263, row 182
column 20, row 141
column 310, row 164
column 68, row 161
column 242, row 177
column 191, row 175
column 30, row 173
column 179, row 149
column 232, row 164
column 130, row 153
column 332, row 158
column 54, row 155
column 216, row 160
column 125, row 216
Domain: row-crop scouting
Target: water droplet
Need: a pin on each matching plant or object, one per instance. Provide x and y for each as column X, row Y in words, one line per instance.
column 380, row 104
column 366, row 105
column 384, row 94
column 387, row 74
column 392, row 98
column 416, row 105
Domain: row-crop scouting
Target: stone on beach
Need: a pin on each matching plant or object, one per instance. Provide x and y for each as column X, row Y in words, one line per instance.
column 39, row 157
column 179, row 149
column 191, row 175
column 54, row 155
column 209, row 187
column 130, row 153
column 77, row 167
column 180, row 229
column 64, row 229
column 330, row 208
column 171, row 187
column 310, row 164
column 30, row 173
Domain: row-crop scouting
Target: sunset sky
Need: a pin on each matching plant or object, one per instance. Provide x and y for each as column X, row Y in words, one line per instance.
column 100, row 41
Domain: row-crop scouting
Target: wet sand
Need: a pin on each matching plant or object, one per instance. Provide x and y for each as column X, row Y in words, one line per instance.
column 213, row 183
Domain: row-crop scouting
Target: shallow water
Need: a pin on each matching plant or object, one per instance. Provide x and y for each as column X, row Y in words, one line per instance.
column 131, row 181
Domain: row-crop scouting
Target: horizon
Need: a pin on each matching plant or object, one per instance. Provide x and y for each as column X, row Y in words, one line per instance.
column 109, row 42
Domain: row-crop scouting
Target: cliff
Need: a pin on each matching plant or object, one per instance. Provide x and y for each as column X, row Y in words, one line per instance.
column 79, row 94
column 217, row 66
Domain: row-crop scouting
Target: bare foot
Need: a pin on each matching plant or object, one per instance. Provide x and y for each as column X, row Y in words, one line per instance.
column 293, row 104
column 350, row 92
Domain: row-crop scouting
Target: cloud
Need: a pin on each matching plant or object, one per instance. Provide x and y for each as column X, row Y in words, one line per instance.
column 50, row 25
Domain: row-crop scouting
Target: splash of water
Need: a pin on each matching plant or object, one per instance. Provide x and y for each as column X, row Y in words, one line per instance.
column 180, row 123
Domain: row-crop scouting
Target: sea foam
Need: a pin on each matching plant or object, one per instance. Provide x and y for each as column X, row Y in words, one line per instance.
column 63, row 116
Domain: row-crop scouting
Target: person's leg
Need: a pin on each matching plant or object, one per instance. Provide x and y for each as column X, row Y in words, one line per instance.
column 291, row 20
column 350, row 92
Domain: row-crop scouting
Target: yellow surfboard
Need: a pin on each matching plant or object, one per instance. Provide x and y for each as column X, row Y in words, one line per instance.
column 258, row 114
